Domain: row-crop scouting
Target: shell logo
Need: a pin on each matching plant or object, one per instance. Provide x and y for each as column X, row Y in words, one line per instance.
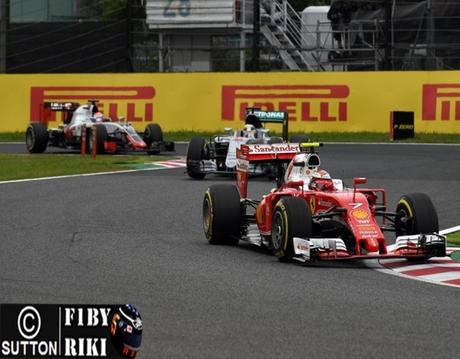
column 360, row 214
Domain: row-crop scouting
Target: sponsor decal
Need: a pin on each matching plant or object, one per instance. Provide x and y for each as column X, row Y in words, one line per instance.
column 441, row 102
column 355, row 205
column 324, row 203
column 359, row 214
column 363, row 221
column 302, row 247
column 327, row 103
column 66, row 331
column 272, row 115
column 312, row 204
column 134, row 103
column 403, row 127
column 364, row 228
column 368, row 234
column 275, row 148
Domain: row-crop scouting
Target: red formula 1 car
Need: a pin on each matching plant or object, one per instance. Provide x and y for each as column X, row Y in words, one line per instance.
column 313, row 217
column 80, row 120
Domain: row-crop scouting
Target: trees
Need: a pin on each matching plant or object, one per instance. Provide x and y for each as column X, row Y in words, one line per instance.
column 113, row 9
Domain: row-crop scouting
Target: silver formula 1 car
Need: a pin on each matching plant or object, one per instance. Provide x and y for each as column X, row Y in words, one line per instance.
column 218, row 155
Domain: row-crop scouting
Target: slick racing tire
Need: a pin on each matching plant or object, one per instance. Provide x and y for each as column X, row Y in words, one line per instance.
column 101, row 137
column 416, row 214
column 300, row 138
column 36, row 138
column 222, row 214
column 153, row 133
column 195, row 154
column 291, row 218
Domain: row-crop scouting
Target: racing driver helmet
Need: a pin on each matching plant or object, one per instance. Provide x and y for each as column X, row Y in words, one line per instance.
column 305, row 167
column 321, row 180
column 98, row 117
column 126, row 331
column 249, row 131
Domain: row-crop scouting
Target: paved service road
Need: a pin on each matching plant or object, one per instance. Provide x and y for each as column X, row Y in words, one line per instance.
column 138, row 238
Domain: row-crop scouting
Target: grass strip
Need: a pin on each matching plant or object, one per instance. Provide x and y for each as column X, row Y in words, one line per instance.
column 23, row 166
column 453, row 239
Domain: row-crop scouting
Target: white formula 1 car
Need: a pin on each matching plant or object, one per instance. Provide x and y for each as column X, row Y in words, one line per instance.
column 81, row 120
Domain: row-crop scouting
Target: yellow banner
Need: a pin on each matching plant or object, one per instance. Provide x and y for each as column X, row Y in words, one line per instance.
column 332, row 102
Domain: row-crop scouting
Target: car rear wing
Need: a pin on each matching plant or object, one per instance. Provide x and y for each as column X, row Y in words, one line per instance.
column 256, row 117
column 47, row 108
column 61, row 106
column 277, row 154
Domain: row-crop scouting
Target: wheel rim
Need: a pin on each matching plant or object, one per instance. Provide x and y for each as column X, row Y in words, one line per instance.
column 207, row 216
column 147, row 134
column 29, row 138
column 278, row 231
column 405, row 222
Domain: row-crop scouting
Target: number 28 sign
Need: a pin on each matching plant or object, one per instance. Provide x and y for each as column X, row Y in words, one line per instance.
column 174, row 8
column 190, row 12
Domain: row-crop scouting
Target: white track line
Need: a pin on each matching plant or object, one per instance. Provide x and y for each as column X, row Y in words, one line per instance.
column 84, row 175
column 450, row 230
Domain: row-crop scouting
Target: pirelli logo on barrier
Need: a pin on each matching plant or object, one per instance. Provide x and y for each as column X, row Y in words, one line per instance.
column 324, row 103
column 441, row 102
column 134, row 103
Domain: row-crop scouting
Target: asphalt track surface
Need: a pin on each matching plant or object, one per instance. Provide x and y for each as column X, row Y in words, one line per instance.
column 138, row 238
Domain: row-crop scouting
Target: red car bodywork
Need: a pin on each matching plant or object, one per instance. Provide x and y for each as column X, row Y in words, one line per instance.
column 357, row 208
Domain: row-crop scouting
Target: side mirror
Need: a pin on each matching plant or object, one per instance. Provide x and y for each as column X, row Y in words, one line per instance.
column 359, row 180
column 295, row 183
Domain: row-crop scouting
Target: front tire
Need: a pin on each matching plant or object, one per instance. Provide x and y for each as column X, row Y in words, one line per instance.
column 222, row 214
column 195, row 154
column 36, row 138
column 153, row 133
column 291, row 218
column 416, row 214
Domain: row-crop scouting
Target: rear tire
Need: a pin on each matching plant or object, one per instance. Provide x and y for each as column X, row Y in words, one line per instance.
column 195, row 154
column 153, row 133
column 417, row 214
column 36, row 138
column 291, row 218
column 222, row 214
